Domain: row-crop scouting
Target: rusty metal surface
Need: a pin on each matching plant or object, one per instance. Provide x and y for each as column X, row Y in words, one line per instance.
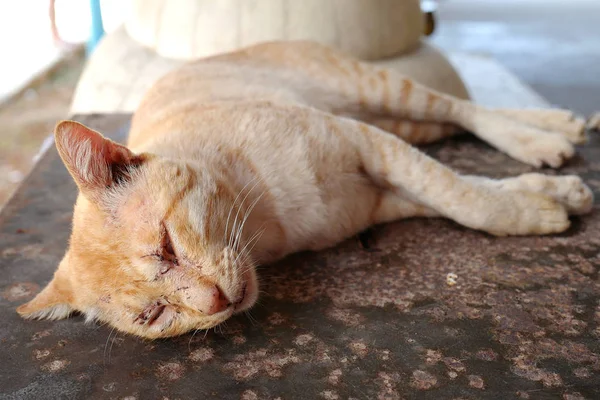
column 383, row 322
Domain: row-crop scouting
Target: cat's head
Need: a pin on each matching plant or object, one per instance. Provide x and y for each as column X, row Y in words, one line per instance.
column 149, row 253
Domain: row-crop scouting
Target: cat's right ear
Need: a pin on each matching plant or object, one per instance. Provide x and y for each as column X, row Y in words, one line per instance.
column 95, row 162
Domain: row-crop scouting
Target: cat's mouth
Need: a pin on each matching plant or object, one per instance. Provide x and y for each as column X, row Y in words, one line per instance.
column 242, row 296
column 248, row 294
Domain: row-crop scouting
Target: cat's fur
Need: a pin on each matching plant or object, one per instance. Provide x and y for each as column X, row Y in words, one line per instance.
column 242, row 158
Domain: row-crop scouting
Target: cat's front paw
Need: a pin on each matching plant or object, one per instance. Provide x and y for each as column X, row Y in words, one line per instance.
column 550, row 148
column 530, row 214
column 569, row 190
column 576, row 196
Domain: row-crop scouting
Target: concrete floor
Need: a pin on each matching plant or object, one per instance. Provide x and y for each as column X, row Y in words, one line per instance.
column 553, row 45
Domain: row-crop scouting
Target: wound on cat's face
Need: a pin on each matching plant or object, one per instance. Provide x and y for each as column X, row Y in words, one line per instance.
column 149, row 252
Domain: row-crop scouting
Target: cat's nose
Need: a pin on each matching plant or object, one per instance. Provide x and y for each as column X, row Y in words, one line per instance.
column 218, row 301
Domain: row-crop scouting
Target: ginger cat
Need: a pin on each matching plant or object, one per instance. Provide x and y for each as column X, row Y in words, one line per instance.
column 243, row 158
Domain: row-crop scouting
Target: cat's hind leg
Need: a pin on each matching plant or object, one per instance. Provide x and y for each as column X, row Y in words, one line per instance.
column 424, row 132
column 392, row 95
column 334, row 82
column 367, row 92
column 562, row 122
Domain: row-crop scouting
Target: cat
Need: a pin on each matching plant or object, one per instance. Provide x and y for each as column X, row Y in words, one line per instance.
column 243, row 158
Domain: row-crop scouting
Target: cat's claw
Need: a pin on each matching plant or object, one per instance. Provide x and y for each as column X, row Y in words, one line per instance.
column 573, row 128
column 551, row 149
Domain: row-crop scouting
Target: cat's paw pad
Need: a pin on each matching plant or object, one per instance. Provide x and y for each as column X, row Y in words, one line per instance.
column 551, row 149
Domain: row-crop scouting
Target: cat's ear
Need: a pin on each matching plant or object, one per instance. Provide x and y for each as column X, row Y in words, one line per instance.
column 95, row 162
column 53, row 302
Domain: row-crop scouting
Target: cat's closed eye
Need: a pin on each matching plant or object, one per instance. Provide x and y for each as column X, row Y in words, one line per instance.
column 165, row 255
column 168, row 252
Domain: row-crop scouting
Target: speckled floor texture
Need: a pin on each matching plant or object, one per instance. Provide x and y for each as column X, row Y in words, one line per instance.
column 376, row 318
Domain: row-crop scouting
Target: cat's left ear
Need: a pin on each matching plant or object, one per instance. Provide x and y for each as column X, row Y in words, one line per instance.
column 95, row 162
column 53, row 302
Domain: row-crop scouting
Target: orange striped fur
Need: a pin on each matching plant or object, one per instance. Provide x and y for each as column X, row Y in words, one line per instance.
column 240, row 159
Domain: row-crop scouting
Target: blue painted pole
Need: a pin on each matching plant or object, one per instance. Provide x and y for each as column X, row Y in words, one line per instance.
column 97, row 26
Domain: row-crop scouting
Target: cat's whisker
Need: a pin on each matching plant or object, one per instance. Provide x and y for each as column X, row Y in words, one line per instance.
column 236, row 207
column 190, row 341
column 245, row 264
column 248, row 264
column 235, row 202
column 106, row 345
column 112, row 343
column 237, row 214
column 246, row 216
column 220, row 326
column 248, row 254
column 261, row 233
column 253, row 320
column 258, row 232
column 256, row 237
column 247, row 268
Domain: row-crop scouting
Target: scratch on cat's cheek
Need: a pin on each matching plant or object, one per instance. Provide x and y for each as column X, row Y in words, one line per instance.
column 105, row 299
column 181, row 288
